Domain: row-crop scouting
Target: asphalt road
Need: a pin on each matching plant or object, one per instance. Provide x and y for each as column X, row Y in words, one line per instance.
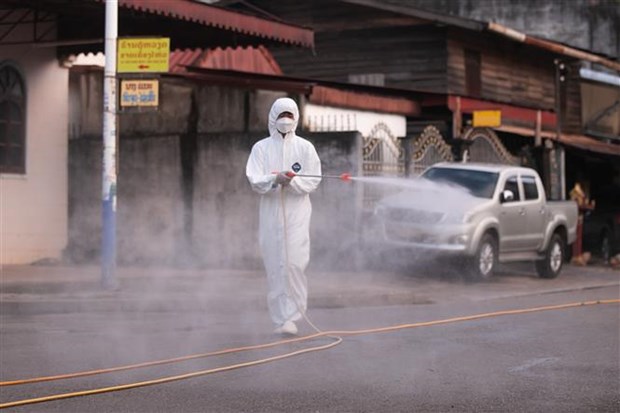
column 554, row 361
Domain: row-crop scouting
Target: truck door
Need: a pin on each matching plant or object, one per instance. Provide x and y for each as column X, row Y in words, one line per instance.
column 512, row 221
column 535, row 212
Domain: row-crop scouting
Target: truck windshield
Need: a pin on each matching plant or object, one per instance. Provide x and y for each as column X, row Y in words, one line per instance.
column 479, row 183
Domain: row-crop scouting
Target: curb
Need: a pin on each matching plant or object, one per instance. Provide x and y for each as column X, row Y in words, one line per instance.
column 40, row 304
column 245, row 291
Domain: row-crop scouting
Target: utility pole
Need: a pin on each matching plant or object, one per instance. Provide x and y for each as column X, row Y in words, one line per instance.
column 561, row 72
column 110, row 132
column 560, row 78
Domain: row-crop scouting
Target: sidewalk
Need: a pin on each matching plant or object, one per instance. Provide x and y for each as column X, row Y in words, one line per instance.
column 60, row 289
column 63, row 289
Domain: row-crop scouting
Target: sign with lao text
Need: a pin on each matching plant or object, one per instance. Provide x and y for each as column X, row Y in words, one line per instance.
column 487, row 118
column 139, row 93
column 143, row 55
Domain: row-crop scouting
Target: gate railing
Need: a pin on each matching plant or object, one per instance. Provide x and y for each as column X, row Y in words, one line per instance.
column 486, row 147
column 382, row 156
column 428, row 149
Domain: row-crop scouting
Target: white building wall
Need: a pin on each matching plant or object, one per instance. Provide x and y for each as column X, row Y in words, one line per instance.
column 33, row 206
column 331, row 119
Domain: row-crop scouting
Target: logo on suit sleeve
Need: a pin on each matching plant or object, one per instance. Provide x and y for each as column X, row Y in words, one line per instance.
column 296, row 167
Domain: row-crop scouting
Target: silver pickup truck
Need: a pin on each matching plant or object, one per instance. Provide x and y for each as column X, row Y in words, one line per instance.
column 483, row 213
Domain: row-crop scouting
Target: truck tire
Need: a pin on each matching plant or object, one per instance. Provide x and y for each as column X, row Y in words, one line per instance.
column 483, row 263
column 551, row 265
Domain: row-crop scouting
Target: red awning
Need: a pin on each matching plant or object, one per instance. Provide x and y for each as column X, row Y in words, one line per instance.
column 582, row 142
column 590, row 144
column 339, row 97
column 527, row 116
column 221, row 18
column 514, row 113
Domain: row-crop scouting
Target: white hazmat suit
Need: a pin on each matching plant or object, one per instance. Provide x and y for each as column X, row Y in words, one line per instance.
column 284, row 221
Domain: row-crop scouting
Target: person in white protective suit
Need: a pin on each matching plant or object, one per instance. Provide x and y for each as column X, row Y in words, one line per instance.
column 285, row 209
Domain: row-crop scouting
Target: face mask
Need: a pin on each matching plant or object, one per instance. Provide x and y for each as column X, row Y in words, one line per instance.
column 285, row 125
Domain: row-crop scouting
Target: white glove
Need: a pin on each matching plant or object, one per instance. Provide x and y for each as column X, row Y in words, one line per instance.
column 284, row 178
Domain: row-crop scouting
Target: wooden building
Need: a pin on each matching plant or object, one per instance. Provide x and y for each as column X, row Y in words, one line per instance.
column 463, row 66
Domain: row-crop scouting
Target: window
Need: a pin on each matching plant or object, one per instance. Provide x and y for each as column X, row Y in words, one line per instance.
column 479, row 183
column 513, row 185
column 473, row 77
column 370, row 79
column 12, row 120
column 529, row 187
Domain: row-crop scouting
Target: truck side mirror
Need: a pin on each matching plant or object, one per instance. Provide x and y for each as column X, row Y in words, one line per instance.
column 507, row 196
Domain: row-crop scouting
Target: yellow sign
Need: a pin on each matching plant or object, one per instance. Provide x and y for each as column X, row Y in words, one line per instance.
column 143, row 55
column 139, row 93
column 488, row 118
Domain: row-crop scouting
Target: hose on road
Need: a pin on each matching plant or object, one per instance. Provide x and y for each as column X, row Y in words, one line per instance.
column 330, row 334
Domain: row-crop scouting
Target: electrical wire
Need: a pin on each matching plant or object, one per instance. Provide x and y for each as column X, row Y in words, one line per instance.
column 280, row 357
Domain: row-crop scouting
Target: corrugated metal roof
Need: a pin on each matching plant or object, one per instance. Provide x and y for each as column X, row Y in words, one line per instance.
column 343, row 95
column 587, row 143
column 582, row 142
column 188, row 23
column 250, row 59
column 413, row 11
column 181, row 58
column 222, row 18
column 248, row 80
column 330, row 96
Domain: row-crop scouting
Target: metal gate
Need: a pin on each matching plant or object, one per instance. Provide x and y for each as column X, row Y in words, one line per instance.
column 429, row 148
column 486, row 147
column 382, row 156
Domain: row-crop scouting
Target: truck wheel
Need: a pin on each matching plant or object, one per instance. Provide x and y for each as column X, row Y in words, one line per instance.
column 551, row 265
column 483, row 263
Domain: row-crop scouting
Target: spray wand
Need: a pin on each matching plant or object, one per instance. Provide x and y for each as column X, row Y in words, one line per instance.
column 346, row 177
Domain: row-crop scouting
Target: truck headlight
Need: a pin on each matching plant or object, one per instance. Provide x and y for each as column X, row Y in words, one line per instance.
column 468, row 217
column 459, row 239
